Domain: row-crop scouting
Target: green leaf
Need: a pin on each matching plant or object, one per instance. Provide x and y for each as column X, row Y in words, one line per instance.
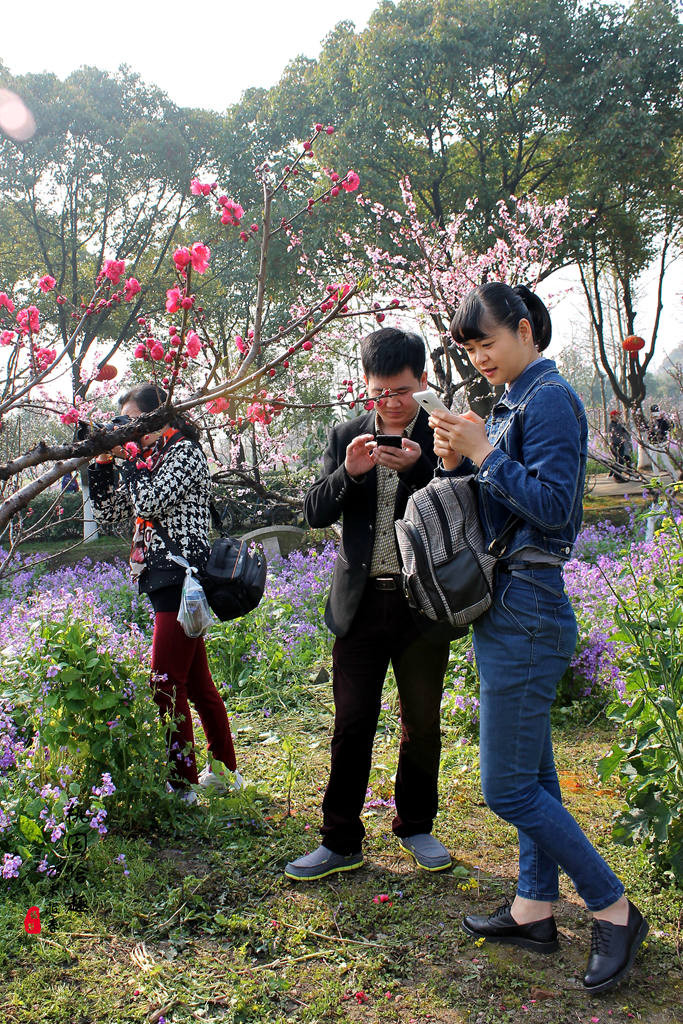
column 107, row 700
column 29, row 829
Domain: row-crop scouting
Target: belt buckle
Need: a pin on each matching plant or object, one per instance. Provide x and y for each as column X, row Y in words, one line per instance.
column 385, row 583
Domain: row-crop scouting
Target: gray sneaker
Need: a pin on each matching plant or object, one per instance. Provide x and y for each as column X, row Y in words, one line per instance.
column 321, row 863
column 427, row 852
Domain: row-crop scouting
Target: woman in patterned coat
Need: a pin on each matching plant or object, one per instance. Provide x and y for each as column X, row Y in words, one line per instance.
column 167, row 489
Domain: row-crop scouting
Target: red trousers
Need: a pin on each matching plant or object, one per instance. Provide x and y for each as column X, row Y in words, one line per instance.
column 182, row 660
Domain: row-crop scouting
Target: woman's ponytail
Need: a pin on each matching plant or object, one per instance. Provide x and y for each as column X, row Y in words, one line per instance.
column 540, row 317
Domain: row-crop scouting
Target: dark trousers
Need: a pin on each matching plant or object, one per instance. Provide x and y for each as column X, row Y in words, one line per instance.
column 384, row 631
column 182, row 661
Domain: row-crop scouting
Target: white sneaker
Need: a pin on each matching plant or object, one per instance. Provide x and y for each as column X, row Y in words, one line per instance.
column 220, row 781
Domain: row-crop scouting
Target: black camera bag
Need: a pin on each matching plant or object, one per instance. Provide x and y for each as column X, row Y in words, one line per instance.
column 234, row 576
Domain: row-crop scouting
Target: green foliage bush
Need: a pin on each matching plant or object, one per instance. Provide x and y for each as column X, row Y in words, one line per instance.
column 647, row 758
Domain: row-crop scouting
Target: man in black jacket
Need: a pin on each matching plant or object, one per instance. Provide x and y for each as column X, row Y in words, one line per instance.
column 368, row 484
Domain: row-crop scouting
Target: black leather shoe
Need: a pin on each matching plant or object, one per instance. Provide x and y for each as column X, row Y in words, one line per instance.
column 613, row 950
column 539, row 936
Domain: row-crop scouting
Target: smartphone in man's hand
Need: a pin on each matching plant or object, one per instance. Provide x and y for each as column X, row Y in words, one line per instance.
column 389, row 440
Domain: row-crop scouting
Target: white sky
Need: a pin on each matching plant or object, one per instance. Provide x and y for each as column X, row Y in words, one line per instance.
column 203, row 56
column 206, row 59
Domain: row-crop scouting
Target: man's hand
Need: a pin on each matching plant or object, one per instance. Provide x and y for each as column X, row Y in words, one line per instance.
column 399, row 459
column 360, row 455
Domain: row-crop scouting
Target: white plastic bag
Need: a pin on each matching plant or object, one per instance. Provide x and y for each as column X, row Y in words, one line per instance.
column 194, row 614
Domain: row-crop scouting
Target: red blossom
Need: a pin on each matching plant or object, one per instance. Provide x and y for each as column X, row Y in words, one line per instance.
column 156, row 350
column 130, row 288
column 29, row 320
column 46, row 283
column 131, row 449
column 6, row 302
column 7, row 337
column 181, row 257
column 200, row 255
column 193, row 345
column 199, row 189
column 173, row 299
column 330, row 129
column 140, row 351
column 70, row 416
column 219, row 404
column 239, row 342
column 350, row 182
column 232, row 212
column 113, row 269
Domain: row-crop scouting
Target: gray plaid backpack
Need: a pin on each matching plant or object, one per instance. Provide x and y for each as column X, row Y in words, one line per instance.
column 447, row 570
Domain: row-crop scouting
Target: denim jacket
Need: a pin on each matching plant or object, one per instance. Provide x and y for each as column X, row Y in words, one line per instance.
column 537, row 470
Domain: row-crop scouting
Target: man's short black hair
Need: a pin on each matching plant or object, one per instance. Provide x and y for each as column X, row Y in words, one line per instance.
column 389, row 351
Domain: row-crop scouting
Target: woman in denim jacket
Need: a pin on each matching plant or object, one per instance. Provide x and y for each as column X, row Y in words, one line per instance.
column 530, row 459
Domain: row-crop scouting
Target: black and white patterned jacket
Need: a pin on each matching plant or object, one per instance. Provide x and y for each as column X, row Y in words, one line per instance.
column 176, row 494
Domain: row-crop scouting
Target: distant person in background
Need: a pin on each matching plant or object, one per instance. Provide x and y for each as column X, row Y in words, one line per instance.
column 69, row 482
column 658, row 431
column 619, row 444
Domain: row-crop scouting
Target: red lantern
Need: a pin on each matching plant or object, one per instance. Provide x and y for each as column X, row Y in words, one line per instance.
column 633, row 343
column 106, row 372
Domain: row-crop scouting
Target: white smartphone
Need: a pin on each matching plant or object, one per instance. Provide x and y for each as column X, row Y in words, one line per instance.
column 429, row 401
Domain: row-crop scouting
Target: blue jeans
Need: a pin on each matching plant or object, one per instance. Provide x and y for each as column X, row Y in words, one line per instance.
column 523, row 645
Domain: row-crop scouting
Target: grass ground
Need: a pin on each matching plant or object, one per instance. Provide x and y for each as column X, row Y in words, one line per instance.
column 205, row 927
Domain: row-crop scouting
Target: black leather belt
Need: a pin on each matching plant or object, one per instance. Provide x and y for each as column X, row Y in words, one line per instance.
column 386, row 582
column 510, row 566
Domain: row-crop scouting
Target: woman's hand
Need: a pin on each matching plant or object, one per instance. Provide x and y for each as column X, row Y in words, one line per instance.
column 464, row 435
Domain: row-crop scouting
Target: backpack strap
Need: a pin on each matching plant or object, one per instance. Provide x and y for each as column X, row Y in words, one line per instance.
column 498, row 545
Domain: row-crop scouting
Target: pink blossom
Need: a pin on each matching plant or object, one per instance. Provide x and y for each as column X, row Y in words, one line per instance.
column 318, row 127
column 219, row 404
column 131, row 288
column 350, row 182
column 29, row 320
column 330, row 129
column 113, row 269
column 157, row 350
column 140, row 351
column 244, row 236
column 46, row 283
column 131, row 449
column 193, row 345
column 198, row 189
column 44, row 357
column 6, row 338
column 6, row 302
column 307, row 346
column 173, row 299
column 200, row 255
column 334, row 191
column 232, row 212
column 254, row 227
column 181, row 257
column 70, row 416
column 239, row 342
